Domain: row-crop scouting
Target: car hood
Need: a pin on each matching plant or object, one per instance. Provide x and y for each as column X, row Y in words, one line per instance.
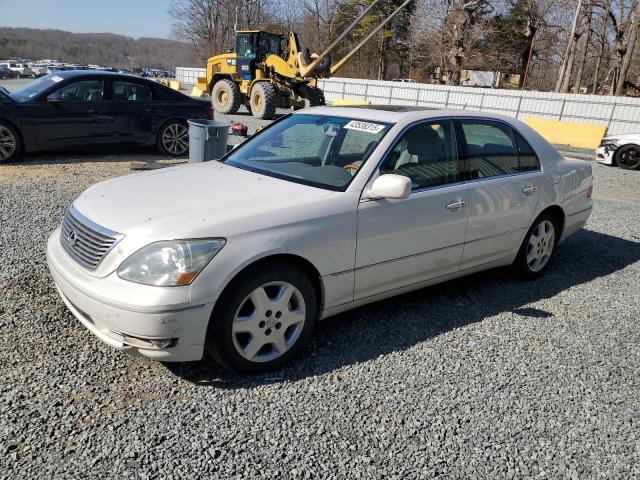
column 171, row 201
column 4, row 95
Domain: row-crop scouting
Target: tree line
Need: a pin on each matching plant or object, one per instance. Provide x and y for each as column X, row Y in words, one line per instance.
column 104, row 49
column 587, row 46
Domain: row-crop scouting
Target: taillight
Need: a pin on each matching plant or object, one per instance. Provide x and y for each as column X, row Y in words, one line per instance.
column 210, row 112
column 590, row 191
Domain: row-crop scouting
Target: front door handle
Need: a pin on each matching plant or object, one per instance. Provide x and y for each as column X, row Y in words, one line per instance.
column 455, row 205
column 530, row 189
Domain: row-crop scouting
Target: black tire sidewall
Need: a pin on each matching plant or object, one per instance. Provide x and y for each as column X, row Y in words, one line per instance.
column 219, row 342
column 521, row 265
column 18, row 138
column 620, row 151
column 161, row 146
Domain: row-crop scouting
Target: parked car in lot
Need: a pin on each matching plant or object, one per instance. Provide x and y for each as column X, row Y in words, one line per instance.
column 6, row 73
column 80, row 109
column 620, row 150
column 322, row 211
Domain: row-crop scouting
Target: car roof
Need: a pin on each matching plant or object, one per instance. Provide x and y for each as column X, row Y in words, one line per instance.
column 397, row 113
column 94, row 73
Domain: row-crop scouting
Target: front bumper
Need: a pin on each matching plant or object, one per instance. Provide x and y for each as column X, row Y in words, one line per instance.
column 605, row 154
column 163, row 325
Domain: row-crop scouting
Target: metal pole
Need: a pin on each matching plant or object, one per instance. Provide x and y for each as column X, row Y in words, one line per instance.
column 309, row 68
column 566, row 55
column 344, row 59
column 564, row 101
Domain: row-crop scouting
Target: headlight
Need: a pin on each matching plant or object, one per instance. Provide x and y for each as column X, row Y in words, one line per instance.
column 170, row 263
column 608, row 141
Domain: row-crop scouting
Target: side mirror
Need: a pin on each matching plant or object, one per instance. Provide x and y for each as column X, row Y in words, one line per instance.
column 55, row 98
column 390, row 186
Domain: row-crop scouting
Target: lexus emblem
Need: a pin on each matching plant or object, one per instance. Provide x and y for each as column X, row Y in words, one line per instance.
column 72, row 238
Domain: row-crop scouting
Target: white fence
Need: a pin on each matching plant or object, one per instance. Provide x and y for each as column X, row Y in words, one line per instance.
column 619, row 114
column 190, row 75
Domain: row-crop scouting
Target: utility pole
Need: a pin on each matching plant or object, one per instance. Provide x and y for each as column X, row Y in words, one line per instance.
column 565, row 60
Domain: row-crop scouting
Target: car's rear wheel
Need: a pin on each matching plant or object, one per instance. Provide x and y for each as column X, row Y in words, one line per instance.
column 538, row 247
column 173, row 138
column 263, row 319
column 628, row 157
column 10, row 143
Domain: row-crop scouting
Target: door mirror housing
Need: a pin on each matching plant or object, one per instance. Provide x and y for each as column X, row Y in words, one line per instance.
column 390, row 186
column 55, row 97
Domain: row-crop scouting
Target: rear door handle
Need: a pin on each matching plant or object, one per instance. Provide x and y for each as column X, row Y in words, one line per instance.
column 456, row 205
column 530, row 189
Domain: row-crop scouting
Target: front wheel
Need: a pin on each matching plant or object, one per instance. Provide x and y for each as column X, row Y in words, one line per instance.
column 537, row 248
column 173, row 138
column 263, row 320
column 10, row 144
column 628, row 157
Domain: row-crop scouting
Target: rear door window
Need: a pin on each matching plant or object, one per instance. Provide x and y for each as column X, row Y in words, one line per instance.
column 130, row 92
column 490, row 149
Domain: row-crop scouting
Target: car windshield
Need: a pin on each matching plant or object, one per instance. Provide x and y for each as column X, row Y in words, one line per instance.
column 36, row 87
column 318, row 150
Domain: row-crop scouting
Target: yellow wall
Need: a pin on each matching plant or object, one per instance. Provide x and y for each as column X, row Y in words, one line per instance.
column 580, row 135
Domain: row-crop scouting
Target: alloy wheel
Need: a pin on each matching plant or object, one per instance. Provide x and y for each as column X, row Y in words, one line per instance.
column 541, row 245
column 8, row 143
column 268, row 322
column 175, row 138
column 629, row 158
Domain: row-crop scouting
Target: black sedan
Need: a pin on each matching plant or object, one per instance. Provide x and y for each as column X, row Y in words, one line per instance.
column 80, row 109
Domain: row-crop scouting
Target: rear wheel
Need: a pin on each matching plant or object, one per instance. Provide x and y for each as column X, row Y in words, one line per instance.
column 10, row 143
column 628, row 157
column 263, row 319
column 263, row 101
column 538, row 247
column 173, row 138
column 226, row 96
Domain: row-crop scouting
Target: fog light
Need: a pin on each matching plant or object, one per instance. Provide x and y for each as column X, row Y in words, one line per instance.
column 155, row 343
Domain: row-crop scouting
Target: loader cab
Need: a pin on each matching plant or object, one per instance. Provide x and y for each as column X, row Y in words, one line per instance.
column 253, row 47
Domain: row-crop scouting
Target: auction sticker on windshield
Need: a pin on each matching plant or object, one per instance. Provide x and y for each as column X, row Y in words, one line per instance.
column 57, row 79
column 364, row 126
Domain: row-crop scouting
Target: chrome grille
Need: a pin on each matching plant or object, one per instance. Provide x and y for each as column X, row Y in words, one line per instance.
column 86, row 242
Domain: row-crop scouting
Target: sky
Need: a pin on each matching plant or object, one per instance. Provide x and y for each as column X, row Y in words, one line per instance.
column 135, row 18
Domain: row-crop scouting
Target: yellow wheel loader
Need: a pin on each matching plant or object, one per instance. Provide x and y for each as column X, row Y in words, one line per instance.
column 266, row 72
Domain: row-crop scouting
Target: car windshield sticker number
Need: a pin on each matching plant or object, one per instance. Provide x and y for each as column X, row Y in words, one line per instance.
column 364, row 126
column 56, row 79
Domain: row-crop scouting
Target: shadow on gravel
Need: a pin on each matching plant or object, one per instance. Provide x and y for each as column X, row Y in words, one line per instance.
column 401, row 322
column 92, row 155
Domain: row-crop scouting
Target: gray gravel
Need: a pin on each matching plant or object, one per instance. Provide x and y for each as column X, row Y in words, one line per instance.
column 483, row 377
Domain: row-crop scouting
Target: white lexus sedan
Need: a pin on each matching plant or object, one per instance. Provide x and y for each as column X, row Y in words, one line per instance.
column 325, row 210
column 620, row 150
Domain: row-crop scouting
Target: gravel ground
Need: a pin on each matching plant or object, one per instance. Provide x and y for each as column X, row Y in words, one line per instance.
column 483, row 377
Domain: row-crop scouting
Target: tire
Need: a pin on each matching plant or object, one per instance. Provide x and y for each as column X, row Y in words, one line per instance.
column 538, row 247
column 628, row 157
column 313, row 97
column 173, row 138
column 226, row 96
column 243, row 336
column 10, row 143
column 264, row 100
